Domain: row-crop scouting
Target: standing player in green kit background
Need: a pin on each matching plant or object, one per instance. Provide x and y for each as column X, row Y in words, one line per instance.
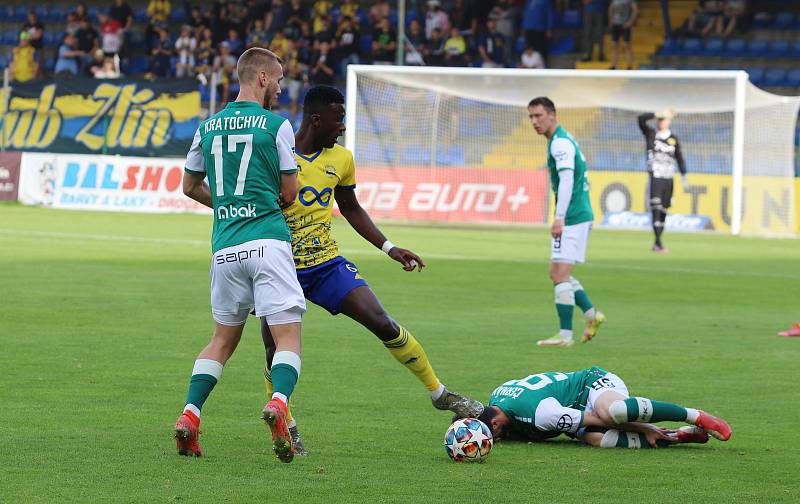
column 247, row 152
column 572, row 222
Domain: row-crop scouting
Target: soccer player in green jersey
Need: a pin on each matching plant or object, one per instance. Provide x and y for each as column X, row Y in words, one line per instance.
column 247, row 153
column 593, row 405
column 572, row 222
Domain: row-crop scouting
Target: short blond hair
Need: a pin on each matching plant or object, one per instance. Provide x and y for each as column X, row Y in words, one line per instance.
column 253, row 61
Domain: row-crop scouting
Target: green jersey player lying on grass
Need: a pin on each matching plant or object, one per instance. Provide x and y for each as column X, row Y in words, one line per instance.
column 594, row 406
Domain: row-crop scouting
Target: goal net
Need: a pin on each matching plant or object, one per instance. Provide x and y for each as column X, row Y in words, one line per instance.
column 455, row 145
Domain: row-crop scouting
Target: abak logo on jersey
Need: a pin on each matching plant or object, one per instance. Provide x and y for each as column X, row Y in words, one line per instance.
column 232, row 212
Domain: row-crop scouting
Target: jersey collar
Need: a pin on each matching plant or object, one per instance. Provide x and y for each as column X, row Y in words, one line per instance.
column 310, row 158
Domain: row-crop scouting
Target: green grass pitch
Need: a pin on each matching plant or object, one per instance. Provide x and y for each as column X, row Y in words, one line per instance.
column 102, row 315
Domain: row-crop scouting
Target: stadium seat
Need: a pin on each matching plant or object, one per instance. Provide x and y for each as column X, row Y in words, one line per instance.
column 50, row 39
column 756, row 75
column 758, row 48
column 49, row 63
column 713, row 47
column 138, row 64
column 393, row 17
column 671, row 46
column 7, row 14
column 783, row 21
column 571, row 19
column 762, row 20
column 780, row 49
column 793, row 78
column 469, row 127
column 735, row 47
column 451, row 156
column 691, row 47
column 365, row 44
column 795, row 49
column 3, row 61
column 56, row 14
column 373, row 152
column 178, row 15
column 774, row 76
column 415, row 154
column 564, row 45
column 140, row 14
column 413, row 16
column 20, row 13
column 92, row 13
column 10, row 37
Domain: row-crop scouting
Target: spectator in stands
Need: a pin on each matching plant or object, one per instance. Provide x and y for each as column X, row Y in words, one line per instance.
column 349, row 9
column 158, row 12
column 109, row 69
column 204, row 54
column 69, row 58
column 706, row 18
column 258, row 35
column 277, row 17
column 504, row 16
column 537, row 21
column 73, row 24
column 322, row 28
column 198, row 22
column 434, row 49
column 463, row 16
column 735, row 16
column 305, row 43
column 379, row 11
column 88, row 39
column 530, row 58
column 295, row 74
column 161, row 54
column 346, row 50
column 220, row 25
column 225, row 67
column 237, row 16
column 23, row 67
column 321, row 8
column 415, row 44
column 80, row 11
column 297, row 15
column 235, row 43
column 435, row 18
column 185, row 47
column 322, row 66
column 279, row 44
column 455, row 49
column 594, row 12
column 621, row 18
column 384, row 43
column 95, row 64
column 491, row 46
column 110, row 34
column 122, row 13
column 35, row 29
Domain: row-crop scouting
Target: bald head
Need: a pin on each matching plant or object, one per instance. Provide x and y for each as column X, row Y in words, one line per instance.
column 255, row 60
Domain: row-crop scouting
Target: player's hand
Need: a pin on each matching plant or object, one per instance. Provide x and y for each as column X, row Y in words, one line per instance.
column 283, row 203
column 656, row 433
column 408, row 259
column 557, row 228
column 684, row 181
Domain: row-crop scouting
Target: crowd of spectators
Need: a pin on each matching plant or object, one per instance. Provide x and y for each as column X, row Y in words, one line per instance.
column 718, row 18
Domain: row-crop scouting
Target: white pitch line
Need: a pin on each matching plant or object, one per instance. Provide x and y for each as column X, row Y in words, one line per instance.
column 433, row 255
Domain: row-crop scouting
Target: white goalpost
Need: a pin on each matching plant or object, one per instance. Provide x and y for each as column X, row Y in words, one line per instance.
column 454, row 145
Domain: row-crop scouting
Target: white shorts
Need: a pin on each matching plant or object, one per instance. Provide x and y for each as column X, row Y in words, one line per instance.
column 257, row 274
column 607, row 382
column 571, row 247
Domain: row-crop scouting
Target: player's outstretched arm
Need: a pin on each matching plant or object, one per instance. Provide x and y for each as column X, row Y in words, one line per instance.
column 646, row 128
column 361, row 221
column 194, row 186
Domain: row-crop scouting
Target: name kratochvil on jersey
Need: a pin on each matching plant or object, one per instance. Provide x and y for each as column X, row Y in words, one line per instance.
column 235, row 123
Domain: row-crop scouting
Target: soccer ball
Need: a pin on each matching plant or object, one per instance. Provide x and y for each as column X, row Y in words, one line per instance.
column 468, row 440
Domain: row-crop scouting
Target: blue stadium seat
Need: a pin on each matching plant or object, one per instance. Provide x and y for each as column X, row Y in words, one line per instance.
column 671, row 46
column 793, row 78
column 647, row 67
column 92, row 13
column 604, row 160
column 794, row 51
column 762, row 20
column 393, row 17
column 7, row 13
column 415, row 154
column 365, row 44
column 140, row 14
column 413, row 16
column 774, row 76
column 469, row 127
column 136, row 40
column 178, row 15
column 10, row 37
column 50, row 39
column 735, row 47
column 713, row 47
column 20, row 13
column 372, row 152
column 564, row 45
column 783, row 21
column 56, row 14
column 758, row 48
column 205, row 93
column 450, row 156
column 756, row 75
column 780, row 49
column 49, row 63
column 691, row 47
column 572, row 19
column 138, row 64
column 3, row 61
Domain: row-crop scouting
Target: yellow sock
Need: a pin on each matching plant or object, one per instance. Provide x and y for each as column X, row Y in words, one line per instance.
column 408, row 352
column 268, row 386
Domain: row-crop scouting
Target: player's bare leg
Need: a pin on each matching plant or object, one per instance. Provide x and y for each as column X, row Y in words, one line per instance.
column 205, row 375
column 269, row 347
column 363, row 306
column 284, row 372
column 614, row 408
column 619, row 438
